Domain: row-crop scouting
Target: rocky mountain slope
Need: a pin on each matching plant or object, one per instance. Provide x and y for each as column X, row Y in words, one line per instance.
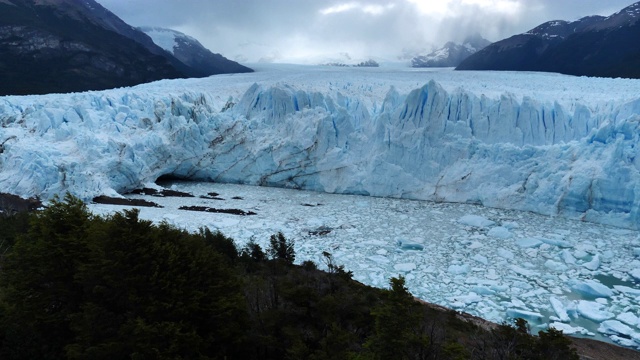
column 49, row 46
column 190, row 52
column 591, row 46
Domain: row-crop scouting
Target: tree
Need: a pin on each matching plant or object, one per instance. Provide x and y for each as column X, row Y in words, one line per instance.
column 553, row 345
column 398, row 322
column 281, row 249
column 85, row 287
column 37, row 281
column 220, row 243
column 253, row 251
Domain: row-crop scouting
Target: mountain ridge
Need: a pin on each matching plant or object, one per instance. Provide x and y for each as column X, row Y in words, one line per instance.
column 591, row 46
column 192, row 53
column 451, row 54
column 54, row 46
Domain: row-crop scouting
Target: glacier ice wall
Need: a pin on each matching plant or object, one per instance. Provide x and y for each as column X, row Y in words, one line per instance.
column 428, row 143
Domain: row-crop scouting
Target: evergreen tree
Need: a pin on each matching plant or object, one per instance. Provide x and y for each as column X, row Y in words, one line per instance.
column 83, row 287
column 398, row 322
column 553, row 345
column 39, row 292
column 281, row 249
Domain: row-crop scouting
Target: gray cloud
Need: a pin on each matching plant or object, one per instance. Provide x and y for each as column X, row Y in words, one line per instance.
column 313, row 30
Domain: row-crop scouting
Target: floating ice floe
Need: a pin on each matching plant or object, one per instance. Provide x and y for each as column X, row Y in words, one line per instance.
column 592, row 288
column 593, row 311
column 560, row 309
column 570, row 330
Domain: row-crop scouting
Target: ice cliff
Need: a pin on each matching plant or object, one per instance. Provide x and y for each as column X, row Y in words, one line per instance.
column 512, row 151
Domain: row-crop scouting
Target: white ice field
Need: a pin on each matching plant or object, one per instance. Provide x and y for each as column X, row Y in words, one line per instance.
column 566, row 147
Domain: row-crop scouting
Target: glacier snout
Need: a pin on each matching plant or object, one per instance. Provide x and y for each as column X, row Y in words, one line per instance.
column 427, row 143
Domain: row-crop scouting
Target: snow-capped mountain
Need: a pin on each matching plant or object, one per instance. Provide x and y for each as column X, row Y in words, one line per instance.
column 189, row 51
column 504, row 140
column 451, row 54
column 76, row 45
column 591, row 46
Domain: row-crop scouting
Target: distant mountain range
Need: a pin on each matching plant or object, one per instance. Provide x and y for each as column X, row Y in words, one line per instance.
column 451, row 54
column 76, row 45
column 592, row 46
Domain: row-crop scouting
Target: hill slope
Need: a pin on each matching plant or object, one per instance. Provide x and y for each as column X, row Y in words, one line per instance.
column 54, row 46
column 591, row 46
column 190, row 52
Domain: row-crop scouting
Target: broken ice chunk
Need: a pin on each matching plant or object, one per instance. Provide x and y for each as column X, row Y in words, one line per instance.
column 483, row 290
column 466, row 299
column 594, row 264
column 567, row 257
column 592, row 288
column 505, row 254
column 635, row 273
column 481, row 259
column 557, row 242
column 524, row 314
column 593, row 311
column 458, row 269
column 405, row 245
column 379, row 259
column 628, row 318
column 555, row 266
column 568, row 329
column 615, row 327
column 405, row 267
column 528, row 242
column 560, row 309
column 475, row 220
column 500, row 232
column 627, row 290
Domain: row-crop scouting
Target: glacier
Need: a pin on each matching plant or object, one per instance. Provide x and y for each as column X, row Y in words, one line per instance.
column 546, row 143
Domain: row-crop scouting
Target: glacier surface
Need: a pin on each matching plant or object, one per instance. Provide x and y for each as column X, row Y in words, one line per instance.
column 546, row 143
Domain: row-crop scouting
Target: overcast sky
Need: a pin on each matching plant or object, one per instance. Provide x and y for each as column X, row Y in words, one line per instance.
column 310, row 31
